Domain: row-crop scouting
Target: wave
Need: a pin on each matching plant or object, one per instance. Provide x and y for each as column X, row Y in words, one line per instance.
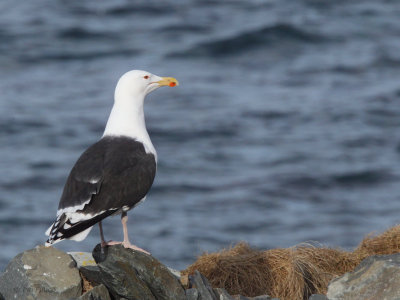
column 378, row 61
column 34, row 182
column 346, row 179
column 270, row 115
column 17, row 221
column 12, row 126
column 184, row 28
column 73, row 55
column 192, row 188
column 269, row 35
column 79, row 33
column 154, row 10
column 184, row 135
column 303, row 181
column 363, row 178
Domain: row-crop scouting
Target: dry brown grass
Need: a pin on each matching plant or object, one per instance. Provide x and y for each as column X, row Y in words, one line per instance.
column 385, row 243
column 291, row 273
column 86, row 284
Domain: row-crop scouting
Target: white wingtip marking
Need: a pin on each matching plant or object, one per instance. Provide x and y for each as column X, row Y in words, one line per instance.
column 94, row 180
column 72, row 209
column 48, row 230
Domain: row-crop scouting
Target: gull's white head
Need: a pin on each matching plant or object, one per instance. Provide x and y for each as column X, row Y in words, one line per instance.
column 137, row 84
column 127, row 116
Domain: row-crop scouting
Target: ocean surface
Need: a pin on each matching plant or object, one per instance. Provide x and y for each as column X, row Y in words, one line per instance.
column 284, row 129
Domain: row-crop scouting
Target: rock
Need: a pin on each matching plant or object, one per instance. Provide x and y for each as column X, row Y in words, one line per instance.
column 176, row 273
column 41, row 273
column 240, row 297
column 99, row 292
column 92, row 274
column 121, row 279
column 222, row 294
column 198, row 281
column 82, row 259
column 262, row 297
column 192, row 294
column 87, row 267
column 318, row 297
column 142, row 276
column 377, row 277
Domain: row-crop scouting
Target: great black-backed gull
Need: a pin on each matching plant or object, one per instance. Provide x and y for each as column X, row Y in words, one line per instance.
column 113, row 175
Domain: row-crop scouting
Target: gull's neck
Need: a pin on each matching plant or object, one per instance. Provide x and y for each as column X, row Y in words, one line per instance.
column 127, row 119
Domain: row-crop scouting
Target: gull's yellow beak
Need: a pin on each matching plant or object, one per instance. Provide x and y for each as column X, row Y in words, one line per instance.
column 168, row 81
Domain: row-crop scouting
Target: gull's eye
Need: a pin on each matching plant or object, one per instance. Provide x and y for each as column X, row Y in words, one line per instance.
column 146, row 77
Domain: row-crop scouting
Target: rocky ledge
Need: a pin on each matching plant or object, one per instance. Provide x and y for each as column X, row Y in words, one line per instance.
column 108, row 273
column 118, row 273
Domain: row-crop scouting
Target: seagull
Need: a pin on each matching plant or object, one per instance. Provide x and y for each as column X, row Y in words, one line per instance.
column 114, row 174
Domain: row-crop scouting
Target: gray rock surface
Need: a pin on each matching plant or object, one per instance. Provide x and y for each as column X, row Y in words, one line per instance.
column 377, row 277
column 99, row 292
column 240, row 297
column 82, row 259
column 142, row 276
column 41, row 273
column 176, row 273
column 192, row 294
column 222, row 294
column 318, row 297
column 92, row 274
column 116, row 270
column 262, row 297
column 198, row 281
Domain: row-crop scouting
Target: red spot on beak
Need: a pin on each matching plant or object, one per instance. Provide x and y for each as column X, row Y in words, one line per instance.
column 172, row 84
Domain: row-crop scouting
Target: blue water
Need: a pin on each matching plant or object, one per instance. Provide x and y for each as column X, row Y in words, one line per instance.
column 284, row 129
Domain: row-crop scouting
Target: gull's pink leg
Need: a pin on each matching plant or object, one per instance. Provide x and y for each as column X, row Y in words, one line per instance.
column 126, row 243
column 103, row 242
